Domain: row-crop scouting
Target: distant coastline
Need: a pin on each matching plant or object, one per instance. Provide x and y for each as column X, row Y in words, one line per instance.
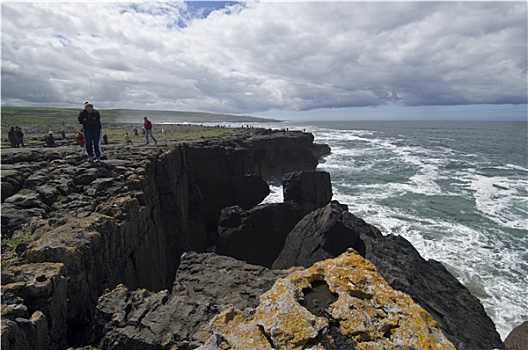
column 9, row 113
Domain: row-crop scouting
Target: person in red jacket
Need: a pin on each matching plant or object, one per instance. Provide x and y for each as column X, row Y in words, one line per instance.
column 147, row 125
column 80, row 138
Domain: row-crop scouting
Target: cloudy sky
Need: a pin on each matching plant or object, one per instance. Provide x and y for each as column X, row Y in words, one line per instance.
column 277, row 59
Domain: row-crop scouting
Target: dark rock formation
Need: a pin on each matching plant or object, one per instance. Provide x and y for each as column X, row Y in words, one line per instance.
column 33, row 307
column 205, row 285
column 257, row 235
column 273, row 154
column 312, row 189
column 324, row 233
column 327, row 232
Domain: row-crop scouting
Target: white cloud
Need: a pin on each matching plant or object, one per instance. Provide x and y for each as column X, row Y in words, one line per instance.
column 260, row 56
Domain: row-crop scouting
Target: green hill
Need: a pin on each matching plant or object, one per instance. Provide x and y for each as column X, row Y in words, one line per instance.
column 23, row 116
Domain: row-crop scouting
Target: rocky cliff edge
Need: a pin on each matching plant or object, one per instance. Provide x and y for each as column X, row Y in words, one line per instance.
column 101, row 254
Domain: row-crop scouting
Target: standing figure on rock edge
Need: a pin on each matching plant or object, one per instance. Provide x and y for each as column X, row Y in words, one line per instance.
column 147, row 125
column 91, row 121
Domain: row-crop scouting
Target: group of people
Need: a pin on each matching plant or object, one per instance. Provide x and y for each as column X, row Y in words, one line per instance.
column 16, row 137
column 90, row 135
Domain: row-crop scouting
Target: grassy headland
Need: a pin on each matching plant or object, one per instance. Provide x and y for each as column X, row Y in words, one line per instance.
column 37, row 121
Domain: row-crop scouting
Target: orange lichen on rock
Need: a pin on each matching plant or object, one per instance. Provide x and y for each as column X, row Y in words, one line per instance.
column 354, row 306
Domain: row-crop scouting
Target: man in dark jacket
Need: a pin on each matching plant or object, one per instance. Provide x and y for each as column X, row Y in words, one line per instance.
column 91, row 121
column 12, row 137
column 19, row 136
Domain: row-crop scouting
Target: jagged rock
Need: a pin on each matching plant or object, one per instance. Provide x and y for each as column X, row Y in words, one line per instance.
column 335, row 304
column 312, row 189
column 33, row 307
column 27, row 200
column 280, row 152
column 246, row 191
column 322, row 234
column 320, row 150
column 27, row 334
column 38, row 178
column 14, row 218
column 14, row 175
column 7, row 189
column 458, row 313
column 48, row 194
column 205, row 285
column 518, row 338
column 257, row 235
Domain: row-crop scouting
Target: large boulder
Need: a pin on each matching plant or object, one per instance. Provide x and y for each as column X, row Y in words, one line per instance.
column 322, row 234
column 313, row 189
column 256, row 236
column 340, row 303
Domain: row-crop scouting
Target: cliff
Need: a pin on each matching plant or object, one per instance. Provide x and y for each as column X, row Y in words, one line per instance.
column 102, row 244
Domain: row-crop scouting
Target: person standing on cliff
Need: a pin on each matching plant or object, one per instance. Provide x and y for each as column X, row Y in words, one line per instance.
column 19, row 136
column 12, row 137
column 80, row 138
column 147, row 125
column 91, row 121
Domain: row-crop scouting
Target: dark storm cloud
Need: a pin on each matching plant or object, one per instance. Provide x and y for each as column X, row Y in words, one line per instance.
column 258, row 56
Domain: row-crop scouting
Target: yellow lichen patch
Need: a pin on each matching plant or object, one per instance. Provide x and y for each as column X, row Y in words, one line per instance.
column 368, row 312
column 284, row 319
column 234, row 327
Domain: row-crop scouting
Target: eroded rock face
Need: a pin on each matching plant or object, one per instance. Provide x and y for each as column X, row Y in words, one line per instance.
column 322, row 234
column 335, row 304
column 312, row 189
column 257, row 235
column 205, row 285
column 34, row 307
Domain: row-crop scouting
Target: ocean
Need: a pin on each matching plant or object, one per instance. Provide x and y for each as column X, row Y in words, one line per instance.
column 458, row 191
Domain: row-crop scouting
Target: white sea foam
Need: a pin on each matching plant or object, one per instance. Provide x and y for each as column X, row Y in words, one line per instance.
column 495, row 195
column 453, row 206
column 466, row 252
